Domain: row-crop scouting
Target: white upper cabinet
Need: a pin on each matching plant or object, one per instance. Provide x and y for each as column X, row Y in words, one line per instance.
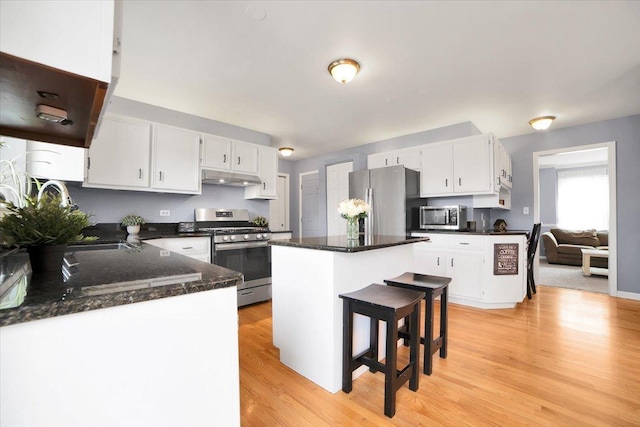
column 53, row 161
column 176, row 159
column 226, row 154
column 74, row 36
column 245, row 157
column 124, row 156
column 473, row 164
column 462, row 166
column 409, row 158
column 502, row 161
column 119, row 156
column 268, row 172
column 216, row 152
column 437, row 169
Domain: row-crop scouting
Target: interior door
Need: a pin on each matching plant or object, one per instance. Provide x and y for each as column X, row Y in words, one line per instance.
column 310, row 219
column 337, row 191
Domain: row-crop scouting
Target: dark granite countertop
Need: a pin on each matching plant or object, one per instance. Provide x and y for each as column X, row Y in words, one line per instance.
column 341, row 244
column 475, row 233
column 102, row 278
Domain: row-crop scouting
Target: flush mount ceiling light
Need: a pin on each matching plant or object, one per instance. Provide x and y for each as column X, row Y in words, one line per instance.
column 541, row 123
column 344, row 70
column 286, row 151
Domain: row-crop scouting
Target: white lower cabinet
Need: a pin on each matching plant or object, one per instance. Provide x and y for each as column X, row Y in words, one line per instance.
column 194, row 247
column 469, row 261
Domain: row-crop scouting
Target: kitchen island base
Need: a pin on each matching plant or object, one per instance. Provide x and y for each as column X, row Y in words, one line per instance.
column 307, row 312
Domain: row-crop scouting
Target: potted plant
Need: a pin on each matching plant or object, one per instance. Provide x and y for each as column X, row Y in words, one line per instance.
column 133, row 223
column 261, row 221
column 44, row 227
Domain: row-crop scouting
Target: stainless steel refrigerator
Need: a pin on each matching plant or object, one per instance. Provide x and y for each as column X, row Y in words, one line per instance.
column 392, row 192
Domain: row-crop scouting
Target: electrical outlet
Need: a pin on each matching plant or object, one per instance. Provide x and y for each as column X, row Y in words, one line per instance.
column 165, row 212
column 525, row 210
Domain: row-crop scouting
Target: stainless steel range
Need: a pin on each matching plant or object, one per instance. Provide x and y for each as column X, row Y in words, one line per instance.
column 239, row 245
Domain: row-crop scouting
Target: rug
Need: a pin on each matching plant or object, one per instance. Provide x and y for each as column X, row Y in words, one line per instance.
column 570, row 277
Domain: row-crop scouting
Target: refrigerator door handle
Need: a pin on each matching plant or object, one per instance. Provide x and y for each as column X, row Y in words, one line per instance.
column 368, row 222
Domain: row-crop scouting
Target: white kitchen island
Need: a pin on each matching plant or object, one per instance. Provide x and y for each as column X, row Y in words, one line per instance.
column 308, row 274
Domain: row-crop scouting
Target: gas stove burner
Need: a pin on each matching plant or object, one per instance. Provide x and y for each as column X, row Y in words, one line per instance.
column 234, row 230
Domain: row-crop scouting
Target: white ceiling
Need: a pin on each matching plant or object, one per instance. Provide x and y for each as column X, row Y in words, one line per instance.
column 423, row 65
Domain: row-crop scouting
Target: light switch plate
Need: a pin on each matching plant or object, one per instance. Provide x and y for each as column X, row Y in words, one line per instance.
column 525, row 210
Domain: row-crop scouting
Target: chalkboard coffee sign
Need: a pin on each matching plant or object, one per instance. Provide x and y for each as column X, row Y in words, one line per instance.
column 505, row 258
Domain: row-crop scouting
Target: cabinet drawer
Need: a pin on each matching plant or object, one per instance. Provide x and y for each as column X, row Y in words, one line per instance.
column 436, row 240
column 465, row 242
column 188, row 245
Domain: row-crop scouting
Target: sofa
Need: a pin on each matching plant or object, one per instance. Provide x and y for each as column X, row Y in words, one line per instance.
column 564, row 246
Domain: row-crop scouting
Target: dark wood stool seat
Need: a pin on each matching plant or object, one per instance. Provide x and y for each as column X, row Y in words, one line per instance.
column 380, row 302
column 432, row 286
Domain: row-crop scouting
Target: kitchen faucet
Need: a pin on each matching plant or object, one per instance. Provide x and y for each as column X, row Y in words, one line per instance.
column 64, row 192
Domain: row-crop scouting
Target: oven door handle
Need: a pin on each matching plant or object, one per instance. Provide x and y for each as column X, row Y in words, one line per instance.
column 232, row 246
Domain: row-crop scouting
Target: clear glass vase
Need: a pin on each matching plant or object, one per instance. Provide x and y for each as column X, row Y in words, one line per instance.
column 352, row 228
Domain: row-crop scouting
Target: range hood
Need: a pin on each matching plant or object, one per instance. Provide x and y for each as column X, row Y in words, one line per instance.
column 229, row 178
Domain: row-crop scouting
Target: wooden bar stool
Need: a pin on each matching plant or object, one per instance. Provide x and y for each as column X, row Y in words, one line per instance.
column 380, row 302
column 432, row 286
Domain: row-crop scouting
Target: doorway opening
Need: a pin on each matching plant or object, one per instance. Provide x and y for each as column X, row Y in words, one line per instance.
column 561, row 171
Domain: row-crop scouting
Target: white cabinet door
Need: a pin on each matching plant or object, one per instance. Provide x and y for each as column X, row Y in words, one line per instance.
column 216, row 152
column 465, row 270
column 72, row 36
column 410, row 158
column 54, row 161
column 429, row 261
column 268, row 172
column 194, row 247
column 245, row 157
column 379, row 160
column 472, row 164
column 176, row 159
column 437, row 169
column 119, row 155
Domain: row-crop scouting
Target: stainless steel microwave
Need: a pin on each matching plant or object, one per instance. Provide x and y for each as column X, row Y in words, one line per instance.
column 443, row 217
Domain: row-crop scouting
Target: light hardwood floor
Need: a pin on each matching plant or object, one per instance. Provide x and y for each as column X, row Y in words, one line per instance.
column 564, row 358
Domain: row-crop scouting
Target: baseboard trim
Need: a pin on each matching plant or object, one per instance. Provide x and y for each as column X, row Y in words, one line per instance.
column 628, row 295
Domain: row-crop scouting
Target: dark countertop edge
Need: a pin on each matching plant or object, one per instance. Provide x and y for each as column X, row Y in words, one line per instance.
column 59, row 308
column 345, row 249
column 475, row 233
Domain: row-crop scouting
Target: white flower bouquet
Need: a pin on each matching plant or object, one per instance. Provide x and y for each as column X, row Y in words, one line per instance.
column 353, row 209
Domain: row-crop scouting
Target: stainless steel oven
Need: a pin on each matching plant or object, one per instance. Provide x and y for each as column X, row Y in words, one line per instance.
column 239, row 245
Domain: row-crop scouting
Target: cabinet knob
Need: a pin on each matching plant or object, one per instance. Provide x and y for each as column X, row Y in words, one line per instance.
column 224, row 158
column 459, row 181
column 238, row 159
column 446, row 182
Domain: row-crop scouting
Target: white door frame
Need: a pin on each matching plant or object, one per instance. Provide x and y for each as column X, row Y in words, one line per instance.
column 613, row 244
column 300, row 198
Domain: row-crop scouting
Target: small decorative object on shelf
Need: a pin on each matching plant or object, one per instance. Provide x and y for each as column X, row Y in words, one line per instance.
column 352, row 210
column 133, row 223
column 261, row 221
